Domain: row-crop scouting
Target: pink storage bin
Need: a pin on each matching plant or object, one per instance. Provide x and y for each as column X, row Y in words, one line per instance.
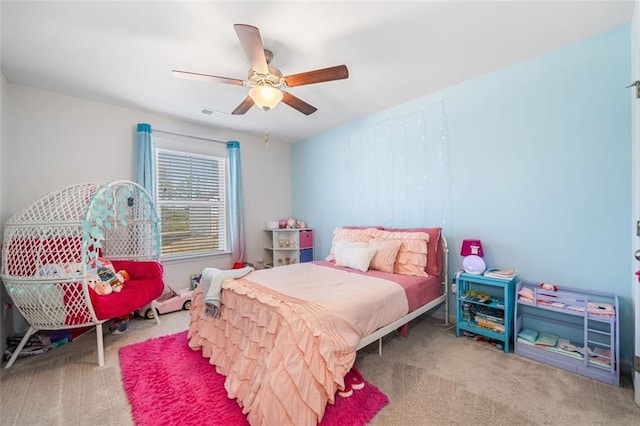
column 306, row 239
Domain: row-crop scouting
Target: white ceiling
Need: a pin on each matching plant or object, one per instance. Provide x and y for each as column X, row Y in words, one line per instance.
column 123, row 52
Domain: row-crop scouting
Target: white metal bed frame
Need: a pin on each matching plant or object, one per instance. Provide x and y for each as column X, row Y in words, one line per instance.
column 444, row 298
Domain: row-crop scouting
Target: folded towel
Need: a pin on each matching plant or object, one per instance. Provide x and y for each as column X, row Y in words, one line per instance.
column 211, row 282
column 546, row 340
column 526, row 293
column 528, row 334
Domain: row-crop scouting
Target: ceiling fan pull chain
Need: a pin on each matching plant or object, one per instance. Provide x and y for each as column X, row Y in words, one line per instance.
column 266, row 130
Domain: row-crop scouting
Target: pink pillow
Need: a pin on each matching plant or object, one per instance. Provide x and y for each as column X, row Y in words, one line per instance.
column 412, row 255
column 351, row 235
column 434, row 247
column 386, row 253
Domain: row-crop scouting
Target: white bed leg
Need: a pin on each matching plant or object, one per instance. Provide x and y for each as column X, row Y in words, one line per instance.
column 23, row 342
column 446, row 312
column 380, row 346
column 100, row 345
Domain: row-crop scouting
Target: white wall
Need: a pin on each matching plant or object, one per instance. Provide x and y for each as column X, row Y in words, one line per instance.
column 52, row 140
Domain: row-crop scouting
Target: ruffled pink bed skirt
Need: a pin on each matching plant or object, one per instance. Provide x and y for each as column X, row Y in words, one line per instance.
column 283, row 358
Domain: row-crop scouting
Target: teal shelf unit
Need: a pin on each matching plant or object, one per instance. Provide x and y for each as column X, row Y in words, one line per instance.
column 498, row 310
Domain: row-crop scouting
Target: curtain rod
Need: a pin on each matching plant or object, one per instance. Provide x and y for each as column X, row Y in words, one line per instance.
column 187, row 136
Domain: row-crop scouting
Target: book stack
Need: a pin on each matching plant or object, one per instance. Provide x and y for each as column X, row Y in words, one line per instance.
column 503, row 274
column 491, row 319
column 36, row 344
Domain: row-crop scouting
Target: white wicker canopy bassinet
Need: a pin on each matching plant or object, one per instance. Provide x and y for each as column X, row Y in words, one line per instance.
column 51, row 246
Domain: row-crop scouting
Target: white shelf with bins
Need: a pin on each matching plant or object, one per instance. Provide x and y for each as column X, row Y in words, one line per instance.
column 287, row 246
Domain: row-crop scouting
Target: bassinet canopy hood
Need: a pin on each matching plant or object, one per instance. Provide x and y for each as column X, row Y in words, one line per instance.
column 52, row 245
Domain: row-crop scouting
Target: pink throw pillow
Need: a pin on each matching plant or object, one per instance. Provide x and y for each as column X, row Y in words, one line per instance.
column 434, row 247
column 386, row 254
column 412, row 255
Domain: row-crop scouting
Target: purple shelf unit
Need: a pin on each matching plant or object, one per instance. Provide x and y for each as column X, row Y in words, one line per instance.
column 597, row 330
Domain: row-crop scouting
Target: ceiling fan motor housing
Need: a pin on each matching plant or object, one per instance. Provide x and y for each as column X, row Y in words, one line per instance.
column 274, row 77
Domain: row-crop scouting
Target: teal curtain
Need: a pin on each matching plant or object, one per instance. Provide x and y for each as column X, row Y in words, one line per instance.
column 145, row 159
column 236, row 205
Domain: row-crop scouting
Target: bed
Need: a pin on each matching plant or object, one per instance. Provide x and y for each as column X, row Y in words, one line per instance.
column 285, row 337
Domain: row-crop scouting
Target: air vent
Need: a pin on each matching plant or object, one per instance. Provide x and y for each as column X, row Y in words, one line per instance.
column 212, row 112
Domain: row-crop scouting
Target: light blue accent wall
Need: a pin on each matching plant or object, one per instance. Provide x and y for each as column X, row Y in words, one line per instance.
column 536, row 164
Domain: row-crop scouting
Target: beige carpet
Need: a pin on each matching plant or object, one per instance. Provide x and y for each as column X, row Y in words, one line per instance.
column 431, row 378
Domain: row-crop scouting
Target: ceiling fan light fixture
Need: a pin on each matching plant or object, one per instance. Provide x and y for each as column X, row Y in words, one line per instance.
column 265, row 96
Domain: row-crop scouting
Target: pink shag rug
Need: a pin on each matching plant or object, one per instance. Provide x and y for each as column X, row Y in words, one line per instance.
column 168, row 383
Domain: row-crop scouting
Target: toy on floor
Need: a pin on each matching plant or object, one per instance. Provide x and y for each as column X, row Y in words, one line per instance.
column 171, row 301
column 120, row 325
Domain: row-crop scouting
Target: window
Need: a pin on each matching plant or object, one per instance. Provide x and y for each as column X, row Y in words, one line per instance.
column 191, row 201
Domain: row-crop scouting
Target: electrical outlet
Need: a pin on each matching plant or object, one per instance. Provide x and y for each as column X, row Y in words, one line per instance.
column 454, row 288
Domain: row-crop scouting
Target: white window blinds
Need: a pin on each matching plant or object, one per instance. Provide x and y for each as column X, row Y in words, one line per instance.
column 191, row 199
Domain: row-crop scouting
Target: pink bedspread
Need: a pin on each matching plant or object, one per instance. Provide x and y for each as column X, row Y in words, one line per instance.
column 285, row 356
column 418, row 290
column 275, row 367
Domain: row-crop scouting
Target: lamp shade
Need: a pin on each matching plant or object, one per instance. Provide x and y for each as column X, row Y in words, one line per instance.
column 265, row 96
column 471, row 247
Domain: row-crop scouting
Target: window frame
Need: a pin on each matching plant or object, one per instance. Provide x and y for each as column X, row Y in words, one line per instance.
column 169, row 145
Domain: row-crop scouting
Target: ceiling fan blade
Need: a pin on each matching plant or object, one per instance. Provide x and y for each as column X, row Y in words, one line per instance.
column 297, row 103
column 243, row 107
column 338, row 72
column 206, row 77
column 252, row 44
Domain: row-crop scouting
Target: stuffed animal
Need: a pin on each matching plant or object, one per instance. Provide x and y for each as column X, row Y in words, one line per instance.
column 103, row 288
column 72, row 269
column 50, row 270
column 118, row 281
column 124, row 275
column 92, row 280
column 107, row 273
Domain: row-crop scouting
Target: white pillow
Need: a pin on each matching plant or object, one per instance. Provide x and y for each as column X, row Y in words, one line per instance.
column 348, row 234
column 354, row 255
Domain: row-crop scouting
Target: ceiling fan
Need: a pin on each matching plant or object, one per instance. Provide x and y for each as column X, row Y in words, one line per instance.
column 265, row 81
